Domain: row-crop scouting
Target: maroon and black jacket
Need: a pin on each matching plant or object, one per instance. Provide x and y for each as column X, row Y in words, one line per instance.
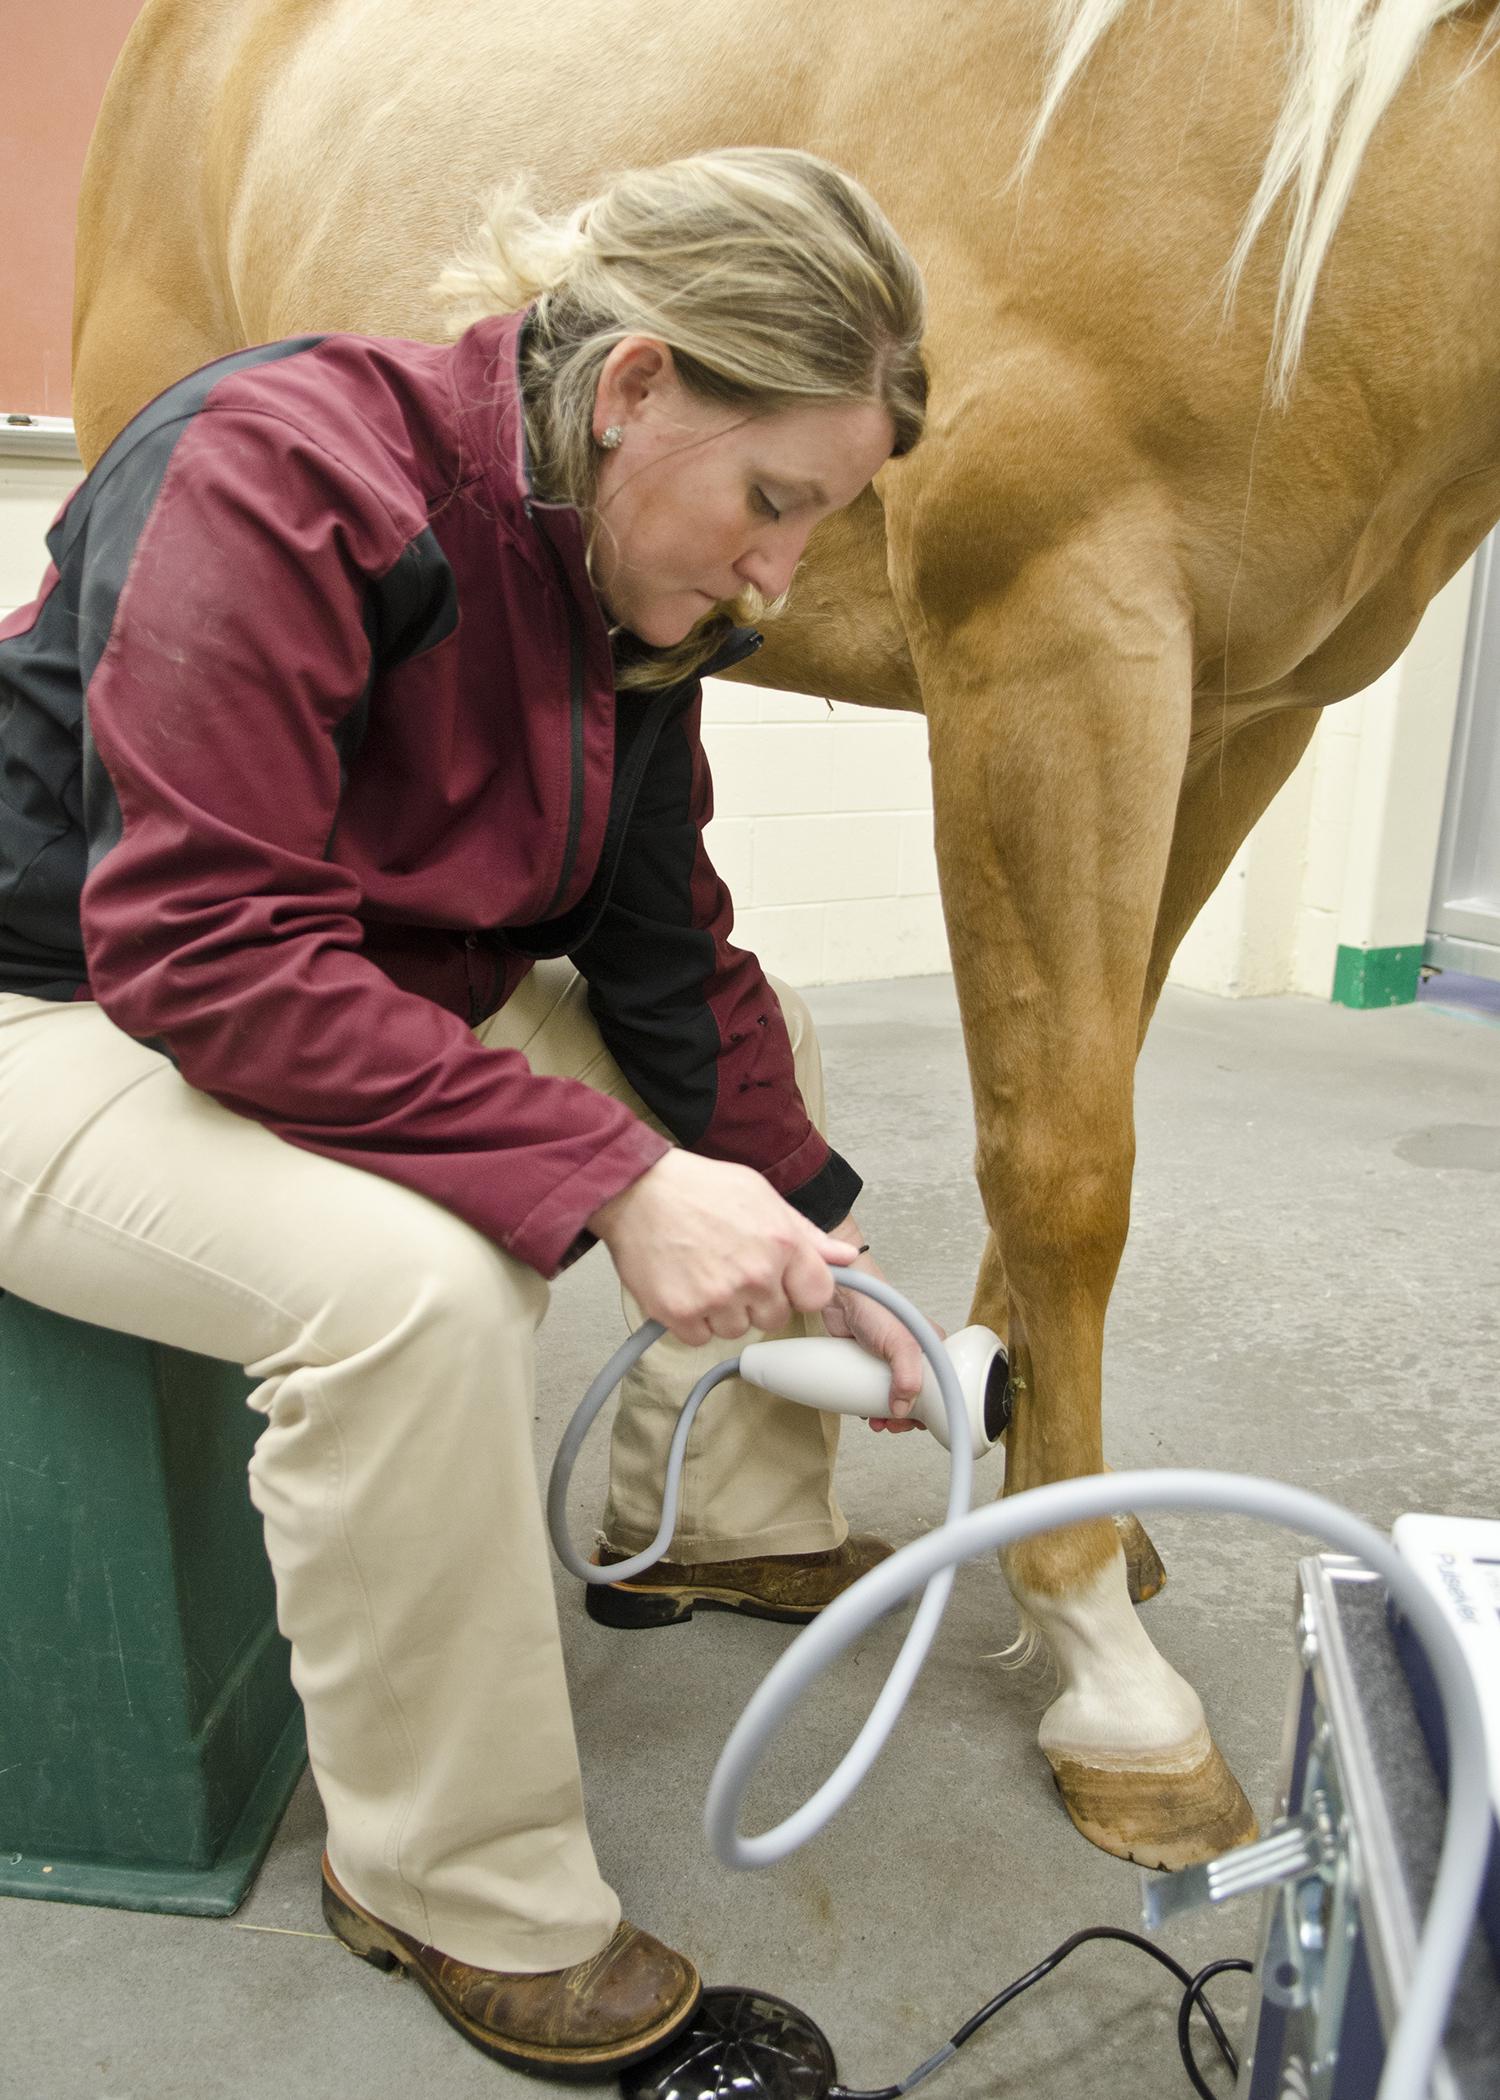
column 308, row 747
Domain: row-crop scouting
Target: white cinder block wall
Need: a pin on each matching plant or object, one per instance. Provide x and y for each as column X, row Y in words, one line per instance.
column 823, row 831
column 823, row 815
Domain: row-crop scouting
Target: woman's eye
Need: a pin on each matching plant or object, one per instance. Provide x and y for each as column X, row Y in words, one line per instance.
column 764, row 504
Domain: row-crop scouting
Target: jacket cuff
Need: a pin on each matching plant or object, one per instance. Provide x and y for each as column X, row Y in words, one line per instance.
column 555, row 1233
column 829, row 1197
column 576, row 1249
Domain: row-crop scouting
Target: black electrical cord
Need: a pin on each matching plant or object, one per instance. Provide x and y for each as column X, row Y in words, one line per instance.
column 1192, row 1995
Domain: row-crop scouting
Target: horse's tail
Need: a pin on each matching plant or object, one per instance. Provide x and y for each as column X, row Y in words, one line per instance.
column 1349, row 58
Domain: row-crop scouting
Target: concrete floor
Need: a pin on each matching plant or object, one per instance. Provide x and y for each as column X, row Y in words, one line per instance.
column 1309, row 1292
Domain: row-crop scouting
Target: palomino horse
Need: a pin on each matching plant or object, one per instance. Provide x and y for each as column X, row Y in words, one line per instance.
column 1123, row 573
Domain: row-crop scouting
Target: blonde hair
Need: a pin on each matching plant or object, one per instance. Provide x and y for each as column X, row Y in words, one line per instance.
column 775, row 280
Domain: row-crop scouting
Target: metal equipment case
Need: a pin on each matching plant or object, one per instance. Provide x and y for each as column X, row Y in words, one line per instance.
column 1338, row 1944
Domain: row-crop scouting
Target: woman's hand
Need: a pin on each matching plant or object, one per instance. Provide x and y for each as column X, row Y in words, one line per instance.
column 709, row 1248
column 879, row 1332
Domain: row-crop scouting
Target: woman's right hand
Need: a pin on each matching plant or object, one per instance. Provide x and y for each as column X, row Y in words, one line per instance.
column 709, row 1248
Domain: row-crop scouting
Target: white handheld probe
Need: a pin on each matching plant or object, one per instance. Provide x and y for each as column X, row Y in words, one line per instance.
column 842, row 1379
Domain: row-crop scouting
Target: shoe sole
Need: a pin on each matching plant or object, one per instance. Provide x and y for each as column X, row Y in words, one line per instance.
column 632, row 1609
column 370, row 1941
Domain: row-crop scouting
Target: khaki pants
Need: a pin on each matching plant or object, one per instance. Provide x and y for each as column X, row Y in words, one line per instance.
column 395, row 1475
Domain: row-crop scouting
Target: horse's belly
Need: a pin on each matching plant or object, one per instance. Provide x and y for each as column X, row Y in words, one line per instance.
column 1337, row 645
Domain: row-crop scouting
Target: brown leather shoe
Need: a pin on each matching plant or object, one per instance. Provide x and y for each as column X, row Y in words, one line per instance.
column 792, row 1586
column 587, row 2022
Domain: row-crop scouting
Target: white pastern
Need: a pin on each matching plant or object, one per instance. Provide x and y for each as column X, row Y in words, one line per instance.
column 1120, row 1704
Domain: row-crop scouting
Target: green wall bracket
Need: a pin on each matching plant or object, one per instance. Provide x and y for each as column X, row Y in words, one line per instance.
column 1377, row 976
column 150, row 1737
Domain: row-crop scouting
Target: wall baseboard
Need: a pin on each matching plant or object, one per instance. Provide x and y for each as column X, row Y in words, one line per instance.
column 1377, row 976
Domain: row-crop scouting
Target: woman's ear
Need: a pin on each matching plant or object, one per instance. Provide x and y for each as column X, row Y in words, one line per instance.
column 637, row 369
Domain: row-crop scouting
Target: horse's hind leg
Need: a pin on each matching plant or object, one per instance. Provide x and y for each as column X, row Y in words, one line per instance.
column 1226, row 790
column 1228, row 786
column 1059, row 718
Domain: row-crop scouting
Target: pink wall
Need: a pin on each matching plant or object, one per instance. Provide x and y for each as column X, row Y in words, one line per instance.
column 57, row 58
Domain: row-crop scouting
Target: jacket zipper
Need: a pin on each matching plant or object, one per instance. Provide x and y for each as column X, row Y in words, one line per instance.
column 575, row 737
column 741, row 643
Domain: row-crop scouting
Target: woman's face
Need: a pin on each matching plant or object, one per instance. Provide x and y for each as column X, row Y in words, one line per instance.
column 698, row 501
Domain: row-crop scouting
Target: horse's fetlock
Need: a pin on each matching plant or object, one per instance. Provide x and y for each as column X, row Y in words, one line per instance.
column 1058, row 1564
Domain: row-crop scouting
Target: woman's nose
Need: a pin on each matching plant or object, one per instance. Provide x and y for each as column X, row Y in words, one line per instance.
column 770, row 565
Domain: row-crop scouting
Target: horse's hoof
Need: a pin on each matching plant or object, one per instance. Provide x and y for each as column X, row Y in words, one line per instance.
column 1163, row 1816
column 1143, row 1565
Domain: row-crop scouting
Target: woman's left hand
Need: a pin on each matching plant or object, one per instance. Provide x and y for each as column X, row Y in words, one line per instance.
column 859, row 1319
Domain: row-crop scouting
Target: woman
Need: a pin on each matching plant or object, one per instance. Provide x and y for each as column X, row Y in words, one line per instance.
column 366, row 676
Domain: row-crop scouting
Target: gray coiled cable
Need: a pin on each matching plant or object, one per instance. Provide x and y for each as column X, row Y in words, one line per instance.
column 867, row 1745
column 930, row 1564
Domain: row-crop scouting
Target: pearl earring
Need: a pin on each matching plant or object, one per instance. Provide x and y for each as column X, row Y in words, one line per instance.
column 612, row 438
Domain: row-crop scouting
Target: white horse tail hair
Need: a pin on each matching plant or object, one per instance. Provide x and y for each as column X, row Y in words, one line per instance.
column 1347, row 60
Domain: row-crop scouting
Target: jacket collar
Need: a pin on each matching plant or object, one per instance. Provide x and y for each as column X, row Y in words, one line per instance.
column 492, row 430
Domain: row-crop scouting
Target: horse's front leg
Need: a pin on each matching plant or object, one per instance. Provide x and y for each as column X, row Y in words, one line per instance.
column 1144, row 1572
column 1059, row 720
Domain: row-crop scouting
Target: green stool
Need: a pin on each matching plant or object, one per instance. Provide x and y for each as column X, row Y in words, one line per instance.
column 149, row 1734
